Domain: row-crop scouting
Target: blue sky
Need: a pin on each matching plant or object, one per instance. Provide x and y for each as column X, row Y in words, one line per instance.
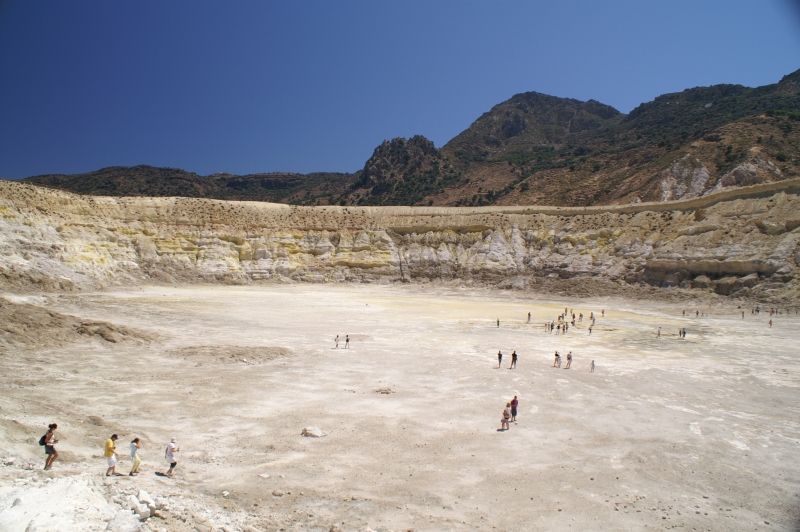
column 302, row 86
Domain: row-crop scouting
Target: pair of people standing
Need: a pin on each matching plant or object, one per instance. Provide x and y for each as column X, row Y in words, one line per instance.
column 514, row 357
column 346, row 341
column 509, row 414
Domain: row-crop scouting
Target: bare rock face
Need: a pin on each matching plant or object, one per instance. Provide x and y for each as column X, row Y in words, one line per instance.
column 730, row 240
column 686, row 178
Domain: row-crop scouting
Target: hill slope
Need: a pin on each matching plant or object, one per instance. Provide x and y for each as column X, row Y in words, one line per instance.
column 533, row 149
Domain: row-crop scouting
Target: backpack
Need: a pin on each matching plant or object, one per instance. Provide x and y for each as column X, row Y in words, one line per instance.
column 43, row 439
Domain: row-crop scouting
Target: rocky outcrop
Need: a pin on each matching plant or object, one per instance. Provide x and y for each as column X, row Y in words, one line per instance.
column 57, row 240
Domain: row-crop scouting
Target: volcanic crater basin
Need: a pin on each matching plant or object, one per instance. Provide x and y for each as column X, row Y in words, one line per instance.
column 696, row 433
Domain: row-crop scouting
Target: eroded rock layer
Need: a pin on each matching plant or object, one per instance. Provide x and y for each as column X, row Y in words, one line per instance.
column 742, row 242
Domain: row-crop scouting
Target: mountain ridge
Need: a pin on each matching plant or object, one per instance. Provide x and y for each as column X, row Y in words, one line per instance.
column 532, row 148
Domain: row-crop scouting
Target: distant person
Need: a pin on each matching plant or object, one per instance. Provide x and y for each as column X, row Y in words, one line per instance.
column 555, row 359
column 498, row 322
column 49, row 441
column 569, row 360
column 513, row 360
column 529, row 317
column 514, row 404
column 169, row 455
column 590, row 330
column 603, row 313
column 506, row 416
column 136, row 461
column 499, row 358
column 591, row 367
column 770, row 324
column 110, row 453
column 336, row 342
column 658, row 334
column 347, row 341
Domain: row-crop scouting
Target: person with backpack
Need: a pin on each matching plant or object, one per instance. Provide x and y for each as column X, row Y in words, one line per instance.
column 49, row 441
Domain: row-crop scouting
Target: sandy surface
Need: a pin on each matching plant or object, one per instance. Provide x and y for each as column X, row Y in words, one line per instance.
column 694, row 434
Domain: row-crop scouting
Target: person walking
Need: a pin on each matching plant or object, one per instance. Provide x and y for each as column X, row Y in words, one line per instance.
column 513, row 360
column 569, row 360
column 169, row 455
column 591, row 367
column 514, row 404
column 499, row 359
column 336, row 342
column 136, row 461
column 347, row 341
column 529, row 317
column 110, row 453
column 49, row 441
column 555, row 359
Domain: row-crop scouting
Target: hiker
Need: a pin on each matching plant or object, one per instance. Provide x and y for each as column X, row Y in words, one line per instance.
column 347, row 341
column 499, row 358
column 336, row 342
column 514, row 404
column 136, row 461
column 513, row 360
column 169, row 455
column 110, row 453
column 569, row 360
column 591, row 367
column 49, row 442
column 506, row 415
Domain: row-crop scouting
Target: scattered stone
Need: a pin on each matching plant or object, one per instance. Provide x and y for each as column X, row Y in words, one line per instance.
column 384, row 391
column 312, row 432
column 277, row 493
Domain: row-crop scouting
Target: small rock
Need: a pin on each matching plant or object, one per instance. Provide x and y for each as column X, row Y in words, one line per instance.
column 9, row 461
column 312, row 432
column 16, row 502
column 226, row 493
column 277, row 493
column 264, row 475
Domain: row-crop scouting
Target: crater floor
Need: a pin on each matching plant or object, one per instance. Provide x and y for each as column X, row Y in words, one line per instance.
column 695, row 433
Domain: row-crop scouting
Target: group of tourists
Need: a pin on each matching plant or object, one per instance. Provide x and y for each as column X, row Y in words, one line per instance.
column 49, row 441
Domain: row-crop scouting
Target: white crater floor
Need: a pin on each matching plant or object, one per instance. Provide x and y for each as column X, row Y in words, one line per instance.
column 701, row 433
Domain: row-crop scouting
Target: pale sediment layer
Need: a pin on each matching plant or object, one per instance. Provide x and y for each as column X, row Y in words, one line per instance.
column 741, row 242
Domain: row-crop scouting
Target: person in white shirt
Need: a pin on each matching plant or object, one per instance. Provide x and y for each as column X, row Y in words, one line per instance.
column 169, row 454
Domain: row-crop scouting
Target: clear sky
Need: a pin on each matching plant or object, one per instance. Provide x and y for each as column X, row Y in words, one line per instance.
column 247, row 86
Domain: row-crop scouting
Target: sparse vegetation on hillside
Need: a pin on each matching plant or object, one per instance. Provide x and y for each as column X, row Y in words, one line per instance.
column 533, row 148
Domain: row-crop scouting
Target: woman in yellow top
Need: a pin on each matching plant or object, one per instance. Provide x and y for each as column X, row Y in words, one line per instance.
column 110, row 452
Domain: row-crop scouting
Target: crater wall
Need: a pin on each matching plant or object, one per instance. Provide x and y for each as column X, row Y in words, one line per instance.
column 740, row 242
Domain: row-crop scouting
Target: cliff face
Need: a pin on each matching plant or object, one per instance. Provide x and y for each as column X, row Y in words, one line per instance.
column 743, row 242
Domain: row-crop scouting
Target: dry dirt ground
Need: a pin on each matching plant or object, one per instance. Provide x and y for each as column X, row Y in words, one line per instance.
column 701, row 433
